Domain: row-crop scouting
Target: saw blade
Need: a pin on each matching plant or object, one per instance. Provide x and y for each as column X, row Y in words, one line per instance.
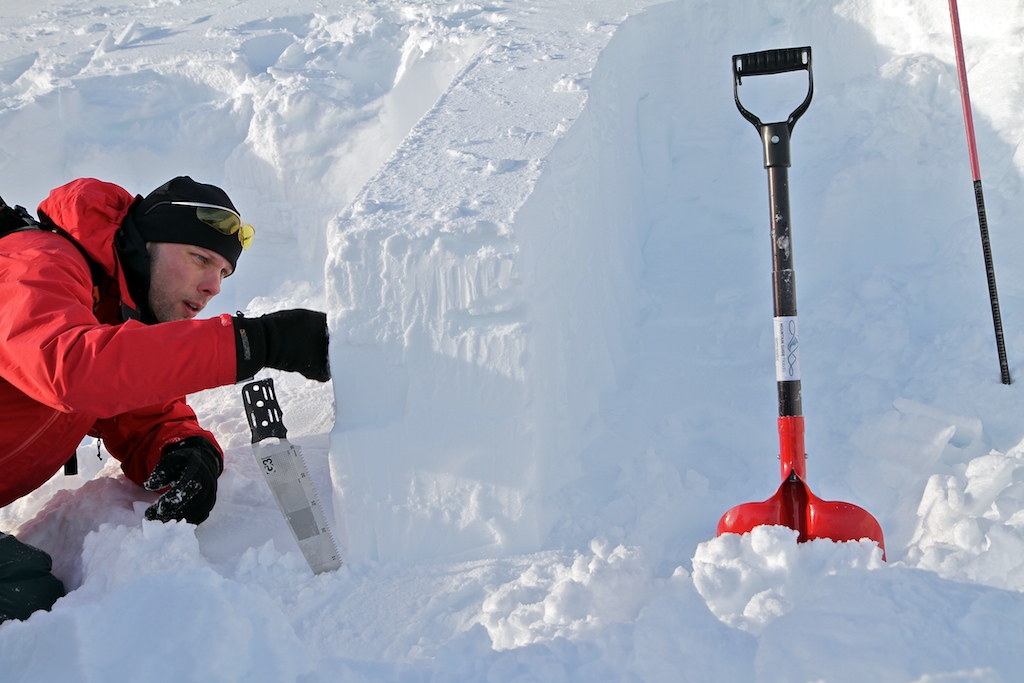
column 285, row 471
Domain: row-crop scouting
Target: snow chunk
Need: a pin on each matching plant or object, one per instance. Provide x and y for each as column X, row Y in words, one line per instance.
column 554, row 600
column 749, row 581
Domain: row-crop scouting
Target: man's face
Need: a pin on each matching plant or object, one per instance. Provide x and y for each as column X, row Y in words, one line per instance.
column 183, row 279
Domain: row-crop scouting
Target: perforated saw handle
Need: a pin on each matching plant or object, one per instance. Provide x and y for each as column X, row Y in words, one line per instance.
column 263, row 411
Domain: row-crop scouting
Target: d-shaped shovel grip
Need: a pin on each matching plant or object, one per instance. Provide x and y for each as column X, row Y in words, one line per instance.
column 772, row 62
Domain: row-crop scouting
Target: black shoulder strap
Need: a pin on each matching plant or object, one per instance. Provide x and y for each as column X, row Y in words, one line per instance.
column 94, row 268
column 18, row 219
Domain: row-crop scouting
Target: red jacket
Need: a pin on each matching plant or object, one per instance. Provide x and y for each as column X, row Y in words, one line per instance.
column 70, row 367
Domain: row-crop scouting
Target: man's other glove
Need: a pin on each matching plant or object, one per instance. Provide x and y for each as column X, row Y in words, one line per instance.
column 293, row 340
column 190, row 467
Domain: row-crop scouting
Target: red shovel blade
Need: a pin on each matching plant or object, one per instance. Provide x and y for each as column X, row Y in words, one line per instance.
column 794, row 506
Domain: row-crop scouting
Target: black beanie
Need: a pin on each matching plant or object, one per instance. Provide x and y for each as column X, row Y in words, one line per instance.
column 159, row 221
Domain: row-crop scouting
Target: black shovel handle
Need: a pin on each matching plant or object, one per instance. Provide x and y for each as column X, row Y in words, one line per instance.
column 772, row 62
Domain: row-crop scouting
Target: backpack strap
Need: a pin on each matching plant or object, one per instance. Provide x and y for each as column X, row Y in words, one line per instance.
column 14, row 219
column 18, row 219
column 94, row 268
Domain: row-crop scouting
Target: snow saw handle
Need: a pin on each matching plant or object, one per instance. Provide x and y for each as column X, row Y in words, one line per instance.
column 263, row 411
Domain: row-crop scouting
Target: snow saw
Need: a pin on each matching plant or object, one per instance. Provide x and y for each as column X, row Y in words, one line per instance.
column 288, row 478
column 793, row 505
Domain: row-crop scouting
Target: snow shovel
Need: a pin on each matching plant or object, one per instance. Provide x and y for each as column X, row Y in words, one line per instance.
column 793, row 505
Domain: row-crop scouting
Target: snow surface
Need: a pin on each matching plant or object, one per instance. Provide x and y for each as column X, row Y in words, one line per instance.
column 540, row 232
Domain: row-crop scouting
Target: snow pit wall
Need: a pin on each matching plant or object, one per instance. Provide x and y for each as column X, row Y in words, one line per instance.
column 474, row 315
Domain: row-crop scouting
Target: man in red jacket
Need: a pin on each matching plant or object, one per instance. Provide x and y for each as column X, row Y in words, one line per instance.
column 99, row 336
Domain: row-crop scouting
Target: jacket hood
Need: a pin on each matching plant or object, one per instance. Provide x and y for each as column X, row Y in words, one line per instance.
column 91, row 211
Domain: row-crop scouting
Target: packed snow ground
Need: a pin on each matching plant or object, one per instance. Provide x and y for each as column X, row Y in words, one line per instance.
column 540, row 232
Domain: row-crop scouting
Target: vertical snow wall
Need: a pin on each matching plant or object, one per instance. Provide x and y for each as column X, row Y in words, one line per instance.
column 476, row 287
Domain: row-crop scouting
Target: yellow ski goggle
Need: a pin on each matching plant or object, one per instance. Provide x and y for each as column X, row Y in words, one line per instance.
column 221, row 219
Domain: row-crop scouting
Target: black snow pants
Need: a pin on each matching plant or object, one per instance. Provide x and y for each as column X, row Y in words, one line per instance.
column 26, row 584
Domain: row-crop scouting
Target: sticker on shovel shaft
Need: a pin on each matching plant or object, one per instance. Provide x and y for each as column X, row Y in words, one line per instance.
column 787, row 349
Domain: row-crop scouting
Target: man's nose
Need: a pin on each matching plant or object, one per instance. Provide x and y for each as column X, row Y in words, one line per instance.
column 210, row 284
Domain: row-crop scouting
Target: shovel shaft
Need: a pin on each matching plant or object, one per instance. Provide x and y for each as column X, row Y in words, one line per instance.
column 792, row 458
column 775, row 137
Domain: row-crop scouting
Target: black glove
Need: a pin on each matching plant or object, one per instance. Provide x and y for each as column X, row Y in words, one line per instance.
column 294, row 340
column 26, row 584
column 190, row 467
